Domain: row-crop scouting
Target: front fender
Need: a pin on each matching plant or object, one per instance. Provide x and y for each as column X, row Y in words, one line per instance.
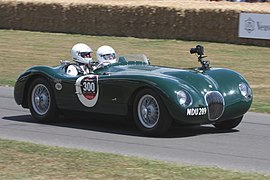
column 167, row 87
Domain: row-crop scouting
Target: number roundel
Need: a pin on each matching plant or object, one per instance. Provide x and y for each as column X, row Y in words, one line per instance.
column 87, row 90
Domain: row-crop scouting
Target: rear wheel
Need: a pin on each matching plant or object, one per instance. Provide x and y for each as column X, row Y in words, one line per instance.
column 150, row 114
column 229, row 124
column 41, row 101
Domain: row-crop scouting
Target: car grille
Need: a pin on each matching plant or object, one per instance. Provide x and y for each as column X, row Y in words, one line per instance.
column 215, row 103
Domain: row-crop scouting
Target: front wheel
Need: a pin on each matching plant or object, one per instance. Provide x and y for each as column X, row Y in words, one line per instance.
column 41, row 101
column 150, row 114
column 229, row 124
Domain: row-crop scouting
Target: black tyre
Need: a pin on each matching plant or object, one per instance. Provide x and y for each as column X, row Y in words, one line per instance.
column 41, row 101
column 150, row 114
column 229, row 124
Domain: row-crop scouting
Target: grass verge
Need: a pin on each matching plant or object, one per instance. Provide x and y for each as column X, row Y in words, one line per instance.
column 20, row 160
column 23, row 49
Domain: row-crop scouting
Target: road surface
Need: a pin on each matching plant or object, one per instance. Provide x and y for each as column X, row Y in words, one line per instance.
column 247, row 148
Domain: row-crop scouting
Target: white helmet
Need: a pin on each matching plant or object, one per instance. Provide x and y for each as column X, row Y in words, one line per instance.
column 106, row 54
column 81, row 53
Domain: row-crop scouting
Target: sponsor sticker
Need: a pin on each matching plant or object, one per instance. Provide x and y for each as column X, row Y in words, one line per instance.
column 89, row 87
column 58, row 86
column 87, row 90
column 196, row 111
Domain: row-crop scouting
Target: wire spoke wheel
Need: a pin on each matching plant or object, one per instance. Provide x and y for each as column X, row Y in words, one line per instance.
column 148, row 111
column 150, row 114
column 41, row 99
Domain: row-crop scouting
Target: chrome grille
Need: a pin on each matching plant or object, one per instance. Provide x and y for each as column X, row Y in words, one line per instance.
column 216, row 104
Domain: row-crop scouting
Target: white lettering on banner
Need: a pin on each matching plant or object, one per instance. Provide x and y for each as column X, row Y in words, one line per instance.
column 255, row 26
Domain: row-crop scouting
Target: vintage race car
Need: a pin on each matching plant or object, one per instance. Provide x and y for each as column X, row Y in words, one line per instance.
column 154, row 96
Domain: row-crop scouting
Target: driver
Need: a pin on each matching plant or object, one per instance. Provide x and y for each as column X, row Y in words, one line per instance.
column 81, row 55
column 106, row 55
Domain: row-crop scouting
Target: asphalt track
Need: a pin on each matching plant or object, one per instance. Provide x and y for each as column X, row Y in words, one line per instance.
column 247, row 148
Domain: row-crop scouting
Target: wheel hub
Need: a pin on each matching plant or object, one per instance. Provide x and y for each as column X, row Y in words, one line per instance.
column 148, row 112
column 37, row 100
column 144, row 112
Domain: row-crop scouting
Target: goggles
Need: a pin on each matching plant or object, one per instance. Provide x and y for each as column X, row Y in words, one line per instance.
column 85, row 54
column 108, row 56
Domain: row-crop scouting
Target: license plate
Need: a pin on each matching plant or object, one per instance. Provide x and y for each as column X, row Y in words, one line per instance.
column 196, row 111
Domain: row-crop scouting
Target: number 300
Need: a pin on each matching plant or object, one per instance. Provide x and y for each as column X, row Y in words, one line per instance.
column 89, row 86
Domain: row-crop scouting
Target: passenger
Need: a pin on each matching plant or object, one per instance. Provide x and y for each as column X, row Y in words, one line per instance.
column 81, row 55
column 106, row 55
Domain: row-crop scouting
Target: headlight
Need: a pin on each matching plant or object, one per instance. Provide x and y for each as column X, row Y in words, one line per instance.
column 183, row 98
column 245, row 90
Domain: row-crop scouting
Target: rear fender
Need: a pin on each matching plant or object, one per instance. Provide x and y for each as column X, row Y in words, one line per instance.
column 23, row 83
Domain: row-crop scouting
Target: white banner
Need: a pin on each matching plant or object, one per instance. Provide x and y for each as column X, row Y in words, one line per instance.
column 254, row 26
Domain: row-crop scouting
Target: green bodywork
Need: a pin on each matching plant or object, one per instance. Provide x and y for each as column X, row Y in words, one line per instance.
column 119, row 83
